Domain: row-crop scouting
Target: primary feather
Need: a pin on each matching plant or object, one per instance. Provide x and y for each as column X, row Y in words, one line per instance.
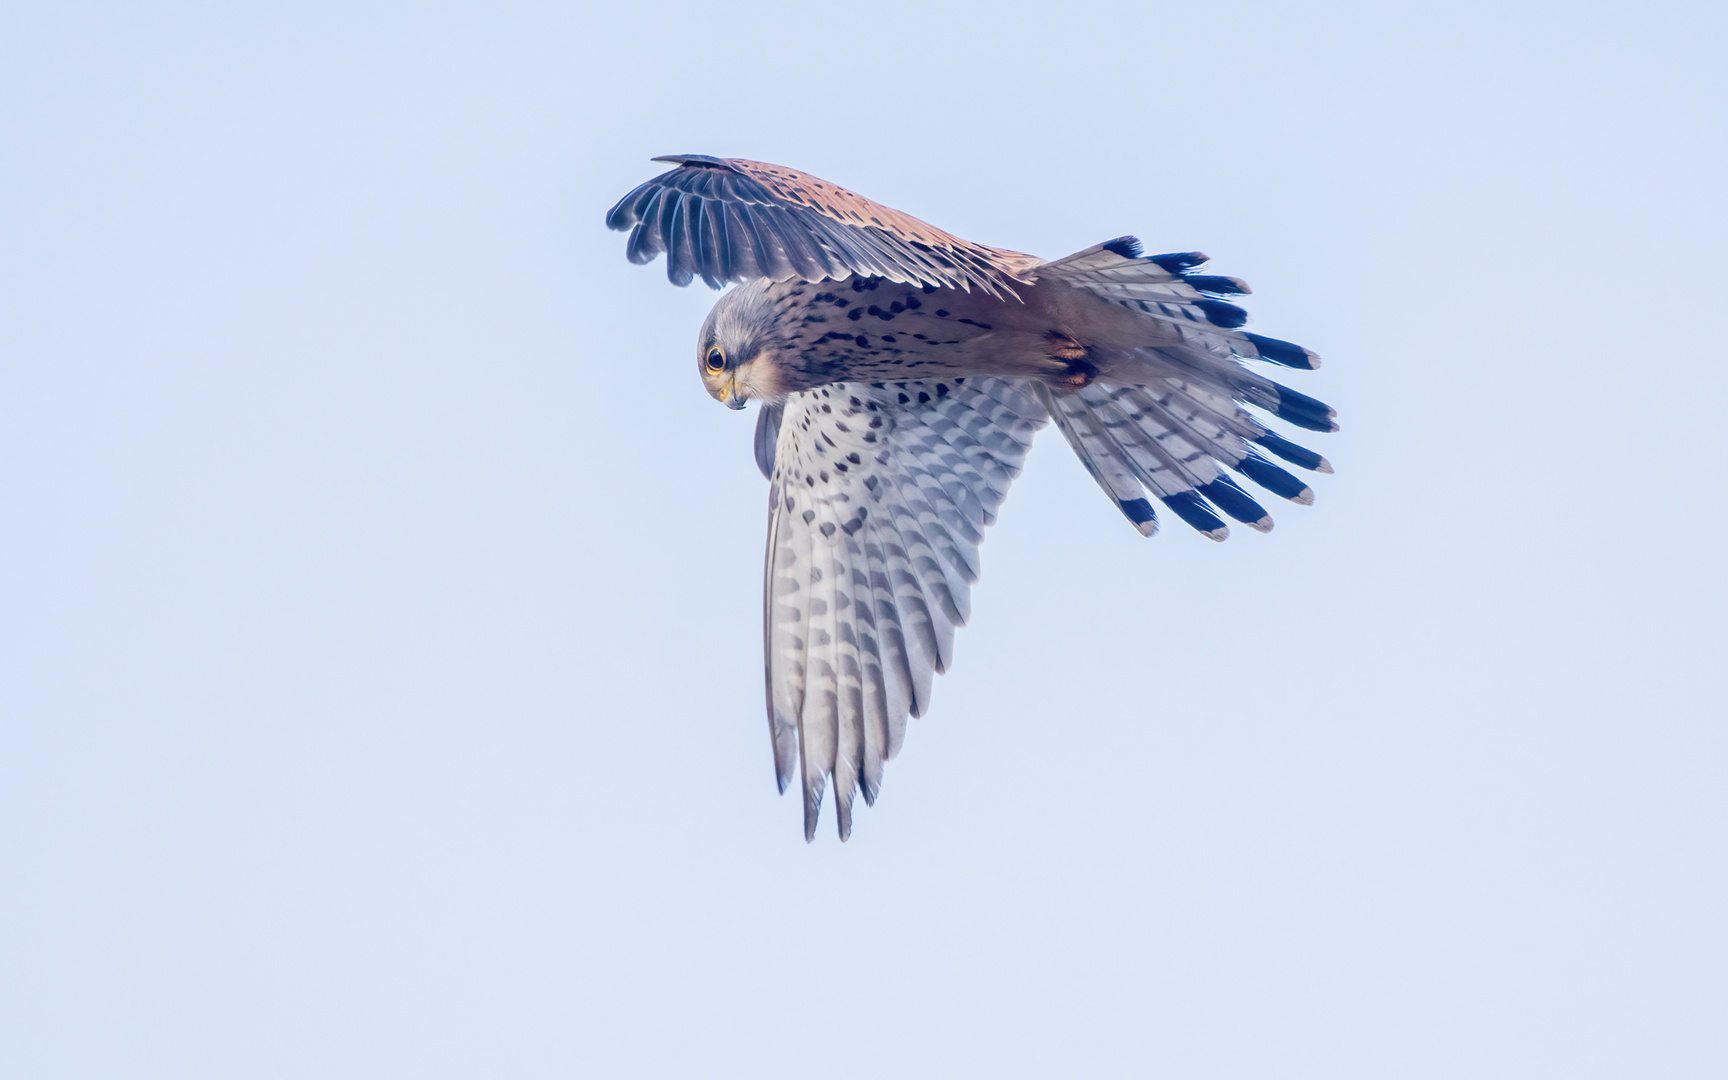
column 903, row 372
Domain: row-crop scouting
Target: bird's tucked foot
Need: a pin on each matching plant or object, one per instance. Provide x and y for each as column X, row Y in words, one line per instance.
column 1079, row 370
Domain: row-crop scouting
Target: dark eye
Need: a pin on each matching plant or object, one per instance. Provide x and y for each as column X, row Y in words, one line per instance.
column 716, row 360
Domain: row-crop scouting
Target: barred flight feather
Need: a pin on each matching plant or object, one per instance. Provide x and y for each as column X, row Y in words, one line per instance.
column 873, row 546
column 796, row 226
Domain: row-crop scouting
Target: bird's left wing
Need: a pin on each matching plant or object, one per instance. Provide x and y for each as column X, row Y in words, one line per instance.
column 729, row 219
column 879, row 497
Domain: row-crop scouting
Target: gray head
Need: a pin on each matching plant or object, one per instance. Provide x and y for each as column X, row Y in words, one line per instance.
column 735, row 351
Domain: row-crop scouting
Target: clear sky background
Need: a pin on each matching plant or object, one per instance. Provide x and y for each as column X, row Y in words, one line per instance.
column 380, row 591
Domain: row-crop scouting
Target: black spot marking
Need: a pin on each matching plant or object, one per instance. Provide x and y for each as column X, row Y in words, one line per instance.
column 904, row 400
column 913, row 303
column 941, row 389
column 853, row 458
column 809, row 516
column 940, row 314
column 827, row 528
column 923, row 398
column 855, row 314
column 888, row 338
column 863, row 341
column 979, row 325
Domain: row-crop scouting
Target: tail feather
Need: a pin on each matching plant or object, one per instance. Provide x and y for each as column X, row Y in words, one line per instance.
column 1168, row 434
column 1132, row 454
column 1103, row 458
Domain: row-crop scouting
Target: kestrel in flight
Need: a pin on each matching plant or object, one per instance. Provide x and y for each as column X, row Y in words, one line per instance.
column 902, row 373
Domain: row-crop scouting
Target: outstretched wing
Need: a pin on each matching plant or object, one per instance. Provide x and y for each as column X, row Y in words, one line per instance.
column 878, row 501
column 728, row 219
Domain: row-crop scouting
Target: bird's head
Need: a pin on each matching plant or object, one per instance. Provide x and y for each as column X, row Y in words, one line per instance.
column 735, row 351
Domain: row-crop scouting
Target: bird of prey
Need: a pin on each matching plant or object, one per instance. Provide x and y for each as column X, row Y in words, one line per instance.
column 902, row 373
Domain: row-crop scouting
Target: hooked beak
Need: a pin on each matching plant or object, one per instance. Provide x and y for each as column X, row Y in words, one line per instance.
column 730, row 397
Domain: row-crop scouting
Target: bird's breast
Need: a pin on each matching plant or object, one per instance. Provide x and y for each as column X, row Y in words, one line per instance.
column 869, row 329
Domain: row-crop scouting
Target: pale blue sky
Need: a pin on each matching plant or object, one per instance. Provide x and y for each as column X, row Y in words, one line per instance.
column 380, row 687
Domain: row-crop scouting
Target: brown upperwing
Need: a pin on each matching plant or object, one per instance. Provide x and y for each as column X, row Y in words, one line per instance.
column 728, row 219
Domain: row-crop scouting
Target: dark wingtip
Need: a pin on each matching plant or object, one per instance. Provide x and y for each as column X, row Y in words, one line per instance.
column 1179, row 262
column 1218, row 284
column 1126, row 246
column 1190, row 507
column 1226, row 496
column 624, row 212
column 1286, row 353
column 1276, row 480
column 1294, row 454
column 1304, row 411
column 1140, row 512
column 693, row 159
column 1220, row 313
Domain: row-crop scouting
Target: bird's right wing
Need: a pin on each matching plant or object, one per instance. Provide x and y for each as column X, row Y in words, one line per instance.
column 878, row 501
column 729, row 219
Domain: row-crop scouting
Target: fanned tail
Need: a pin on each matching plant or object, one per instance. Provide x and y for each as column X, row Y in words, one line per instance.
column 1169, row 436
